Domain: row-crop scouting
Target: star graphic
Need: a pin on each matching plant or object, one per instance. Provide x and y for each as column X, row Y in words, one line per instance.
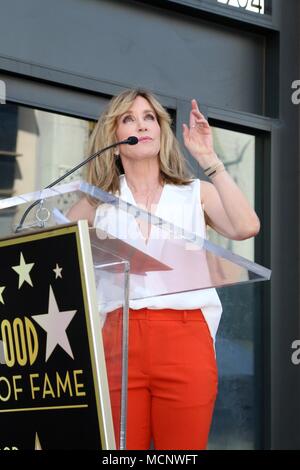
column 37, row 444
column 1, row 290
column 23, row 269
column 57, row 271
column 55, row 324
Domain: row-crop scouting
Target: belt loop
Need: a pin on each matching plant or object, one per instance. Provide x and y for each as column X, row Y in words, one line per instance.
column 184, row 316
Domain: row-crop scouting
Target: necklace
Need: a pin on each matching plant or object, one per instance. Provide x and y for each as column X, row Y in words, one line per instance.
column 146, row 202
column 139, row 200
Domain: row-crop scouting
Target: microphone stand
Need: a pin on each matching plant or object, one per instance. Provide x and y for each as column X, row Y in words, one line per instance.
column 132, row 140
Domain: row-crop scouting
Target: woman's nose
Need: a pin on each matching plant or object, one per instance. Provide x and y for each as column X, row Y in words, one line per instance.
column 141, row 125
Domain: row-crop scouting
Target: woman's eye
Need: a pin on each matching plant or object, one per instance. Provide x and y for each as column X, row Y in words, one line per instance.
column 150, row 116
column 127, row 119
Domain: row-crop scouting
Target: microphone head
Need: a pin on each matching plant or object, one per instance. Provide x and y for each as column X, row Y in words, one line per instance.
column 132, row 140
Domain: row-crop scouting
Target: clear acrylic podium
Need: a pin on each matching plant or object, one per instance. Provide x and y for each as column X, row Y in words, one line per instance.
column 128, row 266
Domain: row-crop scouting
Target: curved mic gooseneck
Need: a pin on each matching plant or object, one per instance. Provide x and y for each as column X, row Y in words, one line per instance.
column 132, row 140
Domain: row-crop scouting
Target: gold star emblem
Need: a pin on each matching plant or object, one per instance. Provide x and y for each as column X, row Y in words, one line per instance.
column 1, row 290
column 55, row 323
column 57, row 271
column 37, row 444
column 23, row 269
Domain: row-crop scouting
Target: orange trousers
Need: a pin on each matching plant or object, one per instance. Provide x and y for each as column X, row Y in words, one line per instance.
column 172, row 378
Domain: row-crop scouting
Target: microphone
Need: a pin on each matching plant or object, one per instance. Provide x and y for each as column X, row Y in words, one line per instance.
column 131, row 140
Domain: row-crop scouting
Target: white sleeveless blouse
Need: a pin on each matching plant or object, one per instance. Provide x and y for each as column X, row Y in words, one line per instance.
column 180, row 205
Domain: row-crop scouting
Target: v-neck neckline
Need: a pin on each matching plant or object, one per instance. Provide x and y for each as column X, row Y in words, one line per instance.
column 133, row 201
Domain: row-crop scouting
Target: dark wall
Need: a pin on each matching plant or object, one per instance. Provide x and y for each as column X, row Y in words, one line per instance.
column 132, row 44
column 285, row 312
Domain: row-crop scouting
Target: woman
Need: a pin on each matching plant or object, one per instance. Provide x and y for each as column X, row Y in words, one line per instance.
column 172, row 376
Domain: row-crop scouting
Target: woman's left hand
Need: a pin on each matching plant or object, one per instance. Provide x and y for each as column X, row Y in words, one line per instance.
column 198, row 138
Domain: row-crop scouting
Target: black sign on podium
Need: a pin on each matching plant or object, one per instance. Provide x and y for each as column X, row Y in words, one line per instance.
column 53, row 394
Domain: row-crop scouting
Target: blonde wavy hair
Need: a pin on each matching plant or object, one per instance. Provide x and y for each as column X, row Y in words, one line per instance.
column 104, row 171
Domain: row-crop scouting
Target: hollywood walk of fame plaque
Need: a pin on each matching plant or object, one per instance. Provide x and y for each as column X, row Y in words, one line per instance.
column 53, row 386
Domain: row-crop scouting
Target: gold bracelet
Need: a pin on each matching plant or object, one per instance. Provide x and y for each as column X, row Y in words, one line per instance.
column 213, row 170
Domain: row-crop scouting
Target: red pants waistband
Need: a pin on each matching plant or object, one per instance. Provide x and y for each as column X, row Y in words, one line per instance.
column 164, row 314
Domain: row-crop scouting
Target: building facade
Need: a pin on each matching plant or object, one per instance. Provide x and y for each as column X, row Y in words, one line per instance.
column 61, row 61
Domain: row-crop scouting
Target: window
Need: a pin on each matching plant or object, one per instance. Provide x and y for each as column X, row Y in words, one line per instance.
column 236, row 411
column 36, row 148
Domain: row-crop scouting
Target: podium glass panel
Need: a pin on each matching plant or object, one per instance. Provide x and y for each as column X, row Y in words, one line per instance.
column 169, row 250
column 112, row 283
column 161, row 258
column 170, row 259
